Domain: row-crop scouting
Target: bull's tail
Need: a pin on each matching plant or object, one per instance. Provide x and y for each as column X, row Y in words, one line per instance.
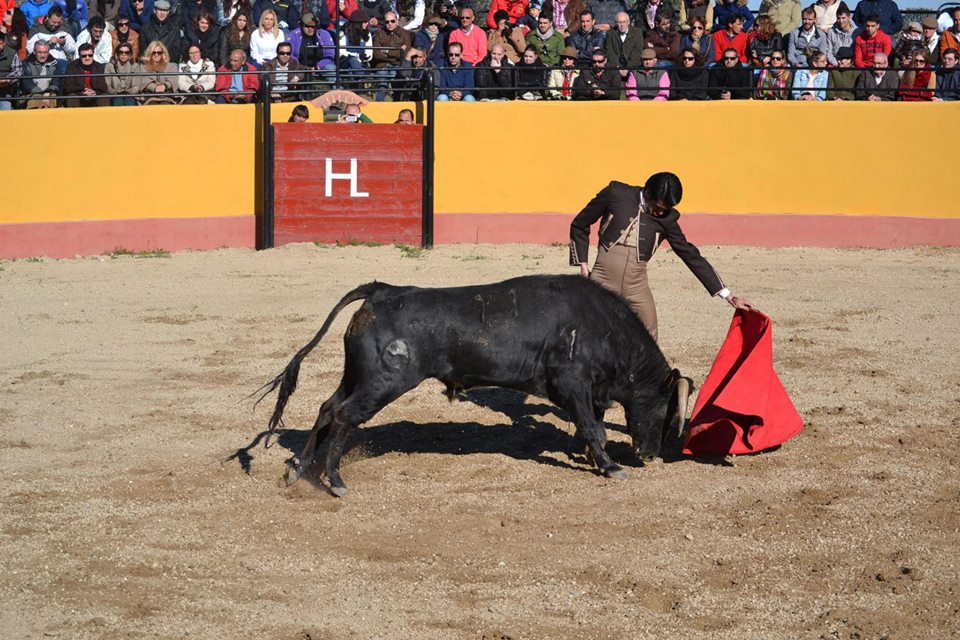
column 287, row 379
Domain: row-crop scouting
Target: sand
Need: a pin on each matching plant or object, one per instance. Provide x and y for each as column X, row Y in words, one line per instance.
column 125, row 384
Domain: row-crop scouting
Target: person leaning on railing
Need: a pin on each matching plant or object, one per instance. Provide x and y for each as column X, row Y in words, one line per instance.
column 495, row 76
column 598, row 82
column 10, row 71
column 285, row 75
column 776, row 81
column 843, row 77
column 918, row 84
column 649, row 82
column 811, row 83
column 85, row 84
column 879, row 83
column 236, row 80
column 121, row 76
column 41, row 77
column 692, row 80
column 731, row 80
column 197, row 75
column 531, row 76
column 561, row 81
column 157, row 75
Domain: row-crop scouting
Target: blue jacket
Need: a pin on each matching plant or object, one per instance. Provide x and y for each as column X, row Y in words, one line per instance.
column 948, row 85
column 461, row 79
column 438, row 56
column 802, row 77
column 137, row 22
column 585, row 43
column 891, row 21
column 722, row 9
column 79, row 16
column 33, row 10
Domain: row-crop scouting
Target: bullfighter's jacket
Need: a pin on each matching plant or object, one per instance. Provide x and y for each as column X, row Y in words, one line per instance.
column 616, row 206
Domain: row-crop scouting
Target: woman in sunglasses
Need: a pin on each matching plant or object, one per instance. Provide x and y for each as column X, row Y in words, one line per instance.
column 158, row 76
column 697, row 38
column 776, row 80
column 691, row 80
column 121, row 76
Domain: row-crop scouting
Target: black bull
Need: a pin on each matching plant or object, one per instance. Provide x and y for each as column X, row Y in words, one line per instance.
column 563, row 338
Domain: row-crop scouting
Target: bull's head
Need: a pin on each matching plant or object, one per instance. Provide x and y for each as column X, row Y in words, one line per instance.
column 657, row 418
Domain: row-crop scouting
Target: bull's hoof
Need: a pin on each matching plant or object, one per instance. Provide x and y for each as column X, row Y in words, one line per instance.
column 615, row 472
column 336, row 485
column 291, row 475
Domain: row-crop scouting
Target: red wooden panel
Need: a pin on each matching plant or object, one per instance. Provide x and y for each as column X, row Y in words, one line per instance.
column 382, row 161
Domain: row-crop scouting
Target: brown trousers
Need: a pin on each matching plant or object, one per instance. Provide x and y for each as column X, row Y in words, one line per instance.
column 619, row 270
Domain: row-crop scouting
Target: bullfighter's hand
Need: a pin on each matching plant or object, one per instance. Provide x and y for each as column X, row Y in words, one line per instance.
column 741, row 304
column 584, row 270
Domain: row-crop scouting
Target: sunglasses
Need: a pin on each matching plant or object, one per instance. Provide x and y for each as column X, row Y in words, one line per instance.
column 86, row 55
column 123, row 24
column 691, row 58
column 156, row 53
column 283, row 53
column 698, row 27
column 778, row 58
column 730, row 58
column 453, row 55
column 124, row 52
column 390, row 21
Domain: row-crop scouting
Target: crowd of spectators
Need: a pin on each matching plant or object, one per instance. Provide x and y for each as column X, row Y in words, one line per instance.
column 127, row 52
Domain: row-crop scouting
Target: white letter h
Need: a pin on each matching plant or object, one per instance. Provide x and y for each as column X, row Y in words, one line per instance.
column 352, row 177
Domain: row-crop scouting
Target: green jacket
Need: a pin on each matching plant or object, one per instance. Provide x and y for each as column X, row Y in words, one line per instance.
column 549, row 49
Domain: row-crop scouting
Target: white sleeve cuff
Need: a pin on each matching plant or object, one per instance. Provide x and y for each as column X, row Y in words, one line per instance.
column 723, row 293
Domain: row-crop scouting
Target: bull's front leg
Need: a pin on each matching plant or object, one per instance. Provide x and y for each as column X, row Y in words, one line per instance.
column 591, row 432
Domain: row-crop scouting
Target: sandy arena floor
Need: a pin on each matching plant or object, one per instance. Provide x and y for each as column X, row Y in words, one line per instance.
column 124, row 385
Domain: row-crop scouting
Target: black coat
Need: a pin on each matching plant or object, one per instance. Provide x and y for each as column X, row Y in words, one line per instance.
column 737, row 80
column 531, row 78
column 167, row 32
column 689, row 84
column 492, row 84
column 609, row 82
column 209, row 42
column 74, row 86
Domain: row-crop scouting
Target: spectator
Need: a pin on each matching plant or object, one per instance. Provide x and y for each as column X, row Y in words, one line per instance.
column 843, row 77
column 605, row 13
column 547, row 42
column 163, row 28
column 647, row 11
column 109, row 10
column 692, row 80
column 649, row 82
column 405, row 117
column 285, row 12
column 123, row 34
column 41, row 81
column 950, row 38
column 158, row 75
column 841, row 34
column 11, row 69
column 137, row 11
column 390, row 44
column 494, row 76
column 763, row 40
column 732, row 37
column 598, row 82
column 285, row 74
column 529, row 21
column 698, row 38
column 664, row 40
column 300, row 112
column 785, row 14
column 411, row 14
column 877, row 84
column 886, row 11
column 810, row 84
column 690, row 9
column 432, row 42
column 94, row 34
column 186, row 12
column 356, row 43
column 85, row 82
column 507, row 35
column 236, row 36
column 197, row 75
column 776, row 80
column 948, row 79
column 406, row 86
column 515, row 10
column 910, row 40
column 470, row 37
column 121, row 73
column 240, row 86
column 919, row 83
column 560, row 81
column 312, row 47
column 54, row 32
column 931, row 40
column 75, row 15
column 730, row 80
column 623, row 45
column 531, row 76
column 804, row 38
column 203, row 30
column 353, row 115
column 14, row 30
column 566, row 15
column 376, row 9
column 585, row 39
column 33, row 10
column 456, row 80
column 227, row 10
column 726, row 8
column 264, row 41
column 869, row 42
column 826, row 11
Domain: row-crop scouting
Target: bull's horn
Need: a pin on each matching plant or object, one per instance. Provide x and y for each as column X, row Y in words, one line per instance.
column 683, row 394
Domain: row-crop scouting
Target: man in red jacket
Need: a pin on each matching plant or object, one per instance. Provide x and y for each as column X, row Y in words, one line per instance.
column 516, row 9
column 869, row 42
column 732, row 37
column 237, row 87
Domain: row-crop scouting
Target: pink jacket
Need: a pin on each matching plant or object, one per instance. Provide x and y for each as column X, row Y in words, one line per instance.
column 474, row 43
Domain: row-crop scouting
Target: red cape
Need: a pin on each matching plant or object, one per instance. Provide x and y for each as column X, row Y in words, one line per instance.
column 743, row 407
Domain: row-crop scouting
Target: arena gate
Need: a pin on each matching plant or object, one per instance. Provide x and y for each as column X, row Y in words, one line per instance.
column 339, row 182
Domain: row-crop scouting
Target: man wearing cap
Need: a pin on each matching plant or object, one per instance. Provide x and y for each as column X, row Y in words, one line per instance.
column 471, row 37
column 931, row 40
column 586, row 38
column 877, row 84
column 841, row 34
column 561, row 80
column 804, row 37
column 633, row 223
column 842, row 77
column 163, row 28
column 312, row 47
column 494, row 76
column 624, row 45
column 886, row 11
column 648, row 83
column 546, row 41
column 870, row 41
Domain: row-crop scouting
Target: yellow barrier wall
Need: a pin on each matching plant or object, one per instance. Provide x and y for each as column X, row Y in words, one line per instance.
column 111, row 163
